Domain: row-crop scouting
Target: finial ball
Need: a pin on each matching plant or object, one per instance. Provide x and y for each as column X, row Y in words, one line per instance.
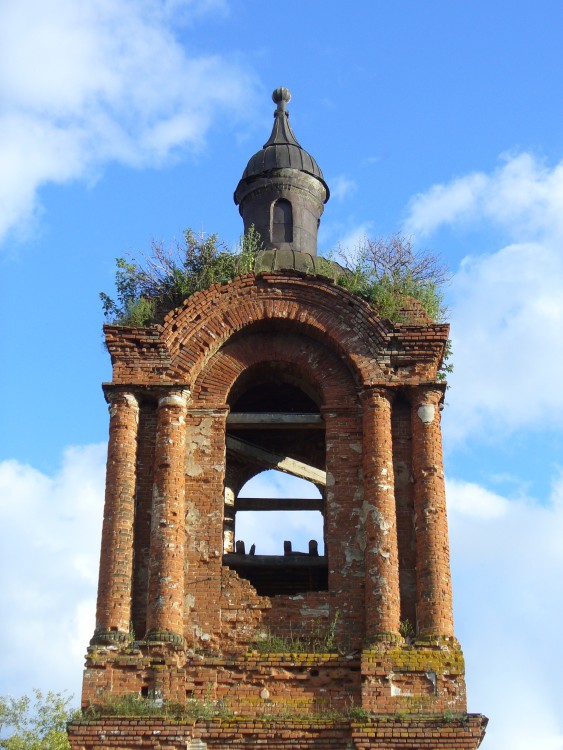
column 281, row 95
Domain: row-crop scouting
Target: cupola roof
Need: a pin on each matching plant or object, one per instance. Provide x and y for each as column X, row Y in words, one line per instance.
column 282, row 149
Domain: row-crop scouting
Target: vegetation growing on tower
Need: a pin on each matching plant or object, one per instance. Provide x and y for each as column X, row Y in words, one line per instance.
column 387, row 273
column 37, row 723
column 166, row 277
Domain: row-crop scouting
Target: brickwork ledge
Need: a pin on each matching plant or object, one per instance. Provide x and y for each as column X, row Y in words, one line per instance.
column 444, row 732
column 438, row 657
column 448, row 718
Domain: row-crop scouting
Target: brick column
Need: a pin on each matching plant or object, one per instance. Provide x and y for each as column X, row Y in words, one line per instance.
column 167, row 553
column 113, row 611
column 378, row 515
column 433, row 578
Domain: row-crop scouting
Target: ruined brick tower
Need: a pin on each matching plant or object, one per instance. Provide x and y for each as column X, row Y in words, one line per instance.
column 279, row 368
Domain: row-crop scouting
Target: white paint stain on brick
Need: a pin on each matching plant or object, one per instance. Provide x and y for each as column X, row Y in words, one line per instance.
column 426, row 413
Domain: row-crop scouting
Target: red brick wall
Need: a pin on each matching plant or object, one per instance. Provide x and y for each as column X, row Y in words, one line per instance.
column 335, row 348
column 380, row 734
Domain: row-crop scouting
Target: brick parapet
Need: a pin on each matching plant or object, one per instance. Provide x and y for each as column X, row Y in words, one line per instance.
column 372, row 347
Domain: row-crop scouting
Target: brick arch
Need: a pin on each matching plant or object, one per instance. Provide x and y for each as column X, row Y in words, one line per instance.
column 310, row 360
column 289, row 301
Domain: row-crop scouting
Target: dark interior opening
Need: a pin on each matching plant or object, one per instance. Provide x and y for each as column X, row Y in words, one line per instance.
column 282, row 221
column 274, row 424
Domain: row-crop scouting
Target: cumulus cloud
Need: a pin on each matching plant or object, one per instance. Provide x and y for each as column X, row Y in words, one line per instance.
column 523, row 195
column 344, row 238
column 507, row 564
column 507, row 316
column 84, row 84
column 342, row 187
column 506, row 306
column 51, row 529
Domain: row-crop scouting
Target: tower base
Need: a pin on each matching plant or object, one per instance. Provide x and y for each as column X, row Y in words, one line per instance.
column 464, row 732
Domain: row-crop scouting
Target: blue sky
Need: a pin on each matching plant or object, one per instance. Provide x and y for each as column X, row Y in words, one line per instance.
column 123, row 122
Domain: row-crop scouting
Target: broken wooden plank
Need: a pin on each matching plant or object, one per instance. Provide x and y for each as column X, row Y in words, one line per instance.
column 274, row 421
column 292, row 560
column 273, row 460
column 279, row 503
column 239, row 547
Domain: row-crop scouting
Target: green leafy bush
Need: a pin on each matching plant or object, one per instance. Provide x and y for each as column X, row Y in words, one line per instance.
column 165, row 278
column 133, row 704
column 37, row 723
column 387, row 273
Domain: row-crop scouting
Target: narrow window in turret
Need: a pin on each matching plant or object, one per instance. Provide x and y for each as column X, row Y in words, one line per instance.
column 282, row 221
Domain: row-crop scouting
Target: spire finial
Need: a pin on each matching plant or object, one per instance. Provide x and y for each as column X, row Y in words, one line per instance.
column 281, row 96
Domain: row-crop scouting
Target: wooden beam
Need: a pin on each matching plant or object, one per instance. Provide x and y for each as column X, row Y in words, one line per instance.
column 279, row 503
column 274, row 421
column 293, row 560
column 272, row 460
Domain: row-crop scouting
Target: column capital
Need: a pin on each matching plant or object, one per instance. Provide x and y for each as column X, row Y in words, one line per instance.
column 426, row 393
column 124, row 395
column 175, row 397
column 378, row 391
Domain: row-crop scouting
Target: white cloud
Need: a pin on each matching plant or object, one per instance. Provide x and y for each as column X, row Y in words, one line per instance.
column 507, row 317
column 84, row 84
column 471, row 500
column 345, row 239
column 507, row 565
column 523, row 196
column 342, row 187
column 506, row 306
column 50, row 528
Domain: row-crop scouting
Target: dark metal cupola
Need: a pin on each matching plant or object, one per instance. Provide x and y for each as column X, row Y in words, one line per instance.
column 282, row 193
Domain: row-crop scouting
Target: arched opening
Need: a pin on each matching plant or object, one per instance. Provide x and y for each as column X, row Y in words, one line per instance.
column 282, row 221
column 294, row 514
column 276, row 477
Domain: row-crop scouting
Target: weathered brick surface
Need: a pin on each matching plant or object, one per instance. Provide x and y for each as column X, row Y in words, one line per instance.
column 425, row 733
column 434, row 587
column 165, row 606
column 113, row 613
column 379, row 518
column 373, row 349
column 171, row 489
